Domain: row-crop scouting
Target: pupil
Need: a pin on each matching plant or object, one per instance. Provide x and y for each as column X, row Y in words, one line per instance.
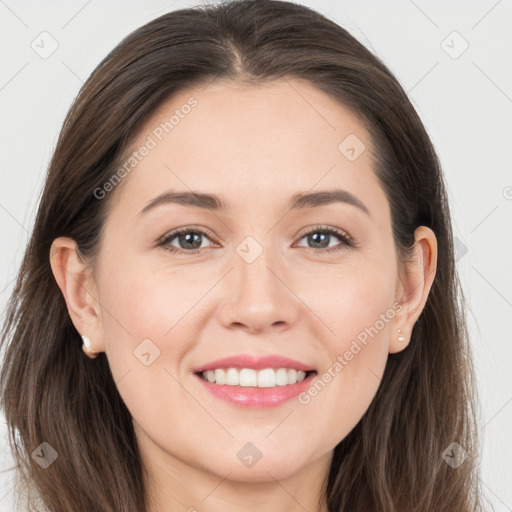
column 188, row 238
column 315, row 236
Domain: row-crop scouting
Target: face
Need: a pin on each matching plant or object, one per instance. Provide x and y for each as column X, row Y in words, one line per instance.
column 315, row 282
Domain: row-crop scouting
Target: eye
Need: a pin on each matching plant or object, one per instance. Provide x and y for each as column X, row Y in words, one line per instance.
column 320, row 236
column 187, row 238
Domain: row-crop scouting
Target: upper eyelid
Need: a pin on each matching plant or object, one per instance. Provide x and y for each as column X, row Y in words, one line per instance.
column 334, row 231
column 173, row 233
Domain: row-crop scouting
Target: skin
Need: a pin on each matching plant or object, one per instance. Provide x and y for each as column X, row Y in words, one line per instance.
column 255, row 146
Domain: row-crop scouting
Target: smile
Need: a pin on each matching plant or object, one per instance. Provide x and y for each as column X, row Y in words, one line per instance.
column 245, row 377
column 248, row 392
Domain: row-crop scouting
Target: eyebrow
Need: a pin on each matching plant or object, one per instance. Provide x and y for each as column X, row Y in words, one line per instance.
column 216, row 203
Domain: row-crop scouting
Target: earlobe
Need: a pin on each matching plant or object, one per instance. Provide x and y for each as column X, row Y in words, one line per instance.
column 75, row 283
column 416, row 284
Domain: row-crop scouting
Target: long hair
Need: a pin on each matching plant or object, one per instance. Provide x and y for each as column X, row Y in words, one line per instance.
column 394, row 459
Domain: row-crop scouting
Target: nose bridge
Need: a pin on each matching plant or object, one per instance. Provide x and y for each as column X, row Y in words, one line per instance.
column 253, row 261
column 257, row 296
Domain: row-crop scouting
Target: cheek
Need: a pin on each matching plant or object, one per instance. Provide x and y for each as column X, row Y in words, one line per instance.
column 146, row 301
column 351, row 300
column 150, row 325
column 146, row 341
column 362, row 326
column 357, row 352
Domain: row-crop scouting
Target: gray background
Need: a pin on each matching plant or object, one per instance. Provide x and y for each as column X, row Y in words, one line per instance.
column 463, row 97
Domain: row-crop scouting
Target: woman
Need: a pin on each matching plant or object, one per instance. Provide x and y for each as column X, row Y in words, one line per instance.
column 262, row 366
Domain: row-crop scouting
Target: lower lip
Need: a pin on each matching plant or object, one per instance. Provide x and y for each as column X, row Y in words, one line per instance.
column 248, row 396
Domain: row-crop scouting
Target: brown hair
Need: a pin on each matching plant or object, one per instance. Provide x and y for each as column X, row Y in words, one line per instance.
column 392, row 460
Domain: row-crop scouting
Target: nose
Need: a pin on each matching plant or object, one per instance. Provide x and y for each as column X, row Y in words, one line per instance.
column 259, row 296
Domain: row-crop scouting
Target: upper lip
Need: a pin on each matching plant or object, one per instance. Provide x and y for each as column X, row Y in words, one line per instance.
column 255, row 362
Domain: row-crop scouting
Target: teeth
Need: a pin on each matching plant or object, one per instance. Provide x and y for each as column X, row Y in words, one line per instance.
column 220, row 377
column 265, row 378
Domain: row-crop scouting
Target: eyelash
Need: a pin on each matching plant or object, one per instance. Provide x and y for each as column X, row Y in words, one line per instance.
column 347, row 241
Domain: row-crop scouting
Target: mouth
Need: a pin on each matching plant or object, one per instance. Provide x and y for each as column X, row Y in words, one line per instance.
column 255, row 380
column 260, row 389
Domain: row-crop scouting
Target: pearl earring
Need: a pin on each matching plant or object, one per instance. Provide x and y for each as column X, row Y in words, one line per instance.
column 87, row 347
column 400, row 338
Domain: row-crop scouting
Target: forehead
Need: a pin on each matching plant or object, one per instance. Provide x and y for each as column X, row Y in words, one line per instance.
column 235, row 139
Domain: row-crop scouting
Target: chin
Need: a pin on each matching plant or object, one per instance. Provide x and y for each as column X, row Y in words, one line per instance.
column 271, row 466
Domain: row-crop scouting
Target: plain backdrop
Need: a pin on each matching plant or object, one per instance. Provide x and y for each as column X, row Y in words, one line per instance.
column 453, row 58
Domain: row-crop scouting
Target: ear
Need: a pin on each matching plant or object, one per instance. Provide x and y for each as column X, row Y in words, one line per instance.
column 416, row 282
column 75, row 281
